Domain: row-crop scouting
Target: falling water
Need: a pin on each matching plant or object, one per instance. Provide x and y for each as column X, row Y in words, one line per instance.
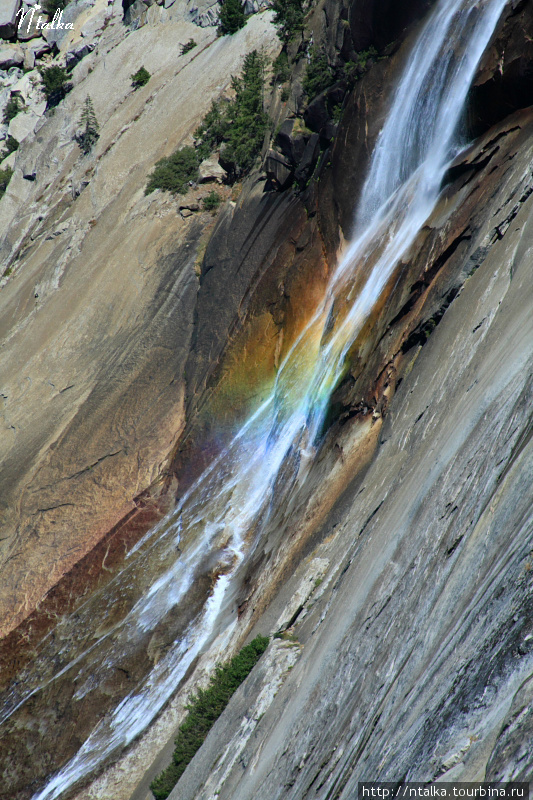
column 225, row 511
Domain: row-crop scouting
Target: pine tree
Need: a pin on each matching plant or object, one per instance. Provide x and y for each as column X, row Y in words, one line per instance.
column 90, row 132
column 248, row 122
column 231, row 16
column 288, row 18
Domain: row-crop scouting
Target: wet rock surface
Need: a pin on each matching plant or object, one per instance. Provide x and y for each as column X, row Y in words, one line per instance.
column 416, row 657
column 380, row 23
column 506, row 81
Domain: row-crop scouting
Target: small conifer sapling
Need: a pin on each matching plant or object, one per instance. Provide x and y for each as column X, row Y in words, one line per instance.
column 89, row 135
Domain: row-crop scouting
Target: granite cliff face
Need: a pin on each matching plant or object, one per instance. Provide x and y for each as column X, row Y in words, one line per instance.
column 86, row 427
column 399, row 570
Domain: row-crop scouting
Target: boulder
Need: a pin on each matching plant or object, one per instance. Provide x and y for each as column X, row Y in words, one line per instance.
column 253, row 6
column 11, row 56
column 328, row 132
column 77, row 52
column 133, row 15
column 309, row 159
column 8, row 18
column 5, row 95
column 278, row 169
column 188, row 209
column 337, row 93
column 291, row 143
column 9, row 162
column 211, row 171
column 30, row 91
column 34, row 50
column 23, row 125
column 13, row 74
column 29, row 88
column 316, row 114
column 27, row 23
column 204, row 14
column 54, row 36
column 95, row 24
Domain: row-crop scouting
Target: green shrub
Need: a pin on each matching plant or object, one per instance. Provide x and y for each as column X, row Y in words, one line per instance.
column 5, row 177
column 14, row 105
column 188, row 46
column 140, row 78
column 204, row 709
column 56, row 84
column 89, row 136
column 336, row 112
column 11, row 144
column 174, row 172
column 231, row 17
column 364, row 56
column 212, row 201
column 319, row 74
column 282, row 71
column 288, row 18
column 51, row 6
column 352, row 69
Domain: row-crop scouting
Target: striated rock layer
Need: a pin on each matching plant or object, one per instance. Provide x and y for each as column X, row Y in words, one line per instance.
column 98, row 310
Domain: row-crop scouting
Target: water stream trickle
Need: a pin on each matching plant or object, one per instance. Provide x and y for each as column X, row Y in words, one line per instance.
column 235, row 494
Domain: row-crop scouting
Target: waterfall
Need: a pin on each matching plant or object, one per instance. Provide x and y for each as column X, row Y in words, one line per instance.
column 235, row 494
